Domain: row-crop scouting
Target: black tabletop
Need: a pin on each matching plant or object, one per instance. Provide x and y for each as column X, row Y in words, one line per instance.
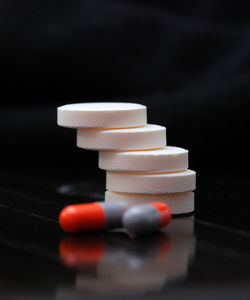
column 202, row 255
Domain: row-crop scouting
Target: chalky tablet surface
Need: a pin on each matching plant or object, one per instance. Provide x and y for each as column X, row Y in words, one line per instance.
column 146, row 137
column 179, row 203
column 161, row 160
column 102, row 115
column 150, row 183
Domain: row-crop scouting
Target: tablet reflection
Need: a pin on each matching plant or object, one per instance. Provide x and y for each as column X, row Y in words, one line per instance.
column 116, row 263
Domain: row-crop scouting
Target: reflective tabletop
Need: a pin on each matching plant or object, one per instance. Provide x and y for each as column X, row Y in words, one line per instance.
column 193, row 257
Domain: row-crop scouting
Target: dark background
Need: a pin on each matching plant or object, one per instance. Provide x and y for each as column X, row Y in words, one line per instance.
column 188, row 61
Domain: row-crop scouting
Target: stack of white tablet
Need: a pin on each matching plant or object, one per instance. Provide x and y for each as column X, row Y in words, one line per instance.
column 140, row 166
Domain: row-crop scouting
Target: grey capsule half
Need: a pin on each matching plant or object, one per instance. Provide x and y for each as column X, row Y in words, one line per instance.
column 146, row 218
column 113, row 213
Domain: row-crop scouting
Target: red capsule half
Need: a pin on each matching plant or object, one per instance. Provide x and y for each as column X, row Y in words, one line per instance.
column 164, row 211
column 91, row 216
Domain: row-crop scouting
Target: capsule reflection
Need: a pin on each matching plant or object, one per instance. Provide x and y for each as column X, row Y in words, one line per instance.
column 123, row 264
column 78, row 252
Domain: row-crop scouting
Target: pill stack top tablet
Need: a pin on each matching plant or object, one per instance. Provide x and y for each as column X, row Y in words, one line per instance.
column 140, row 166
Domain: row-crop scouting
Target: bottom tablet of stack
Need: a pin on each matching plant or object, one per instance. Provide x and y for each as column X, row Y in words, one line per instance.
column 179, row 203
column 145, row 176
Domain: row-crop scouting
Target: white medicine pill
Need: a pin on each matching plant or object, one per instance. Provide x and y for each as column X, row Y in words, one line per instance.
column 146, row 137
column 102, row 115
column 167, row 159
column 150, row 183
column 179, row 203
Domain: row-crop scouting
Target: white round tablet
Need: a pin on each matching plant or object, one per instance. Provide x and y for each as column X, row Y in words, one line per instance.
column 179, row 203
column 150, row 183
column 102, row 115
column 167, row 159
column 146, row 137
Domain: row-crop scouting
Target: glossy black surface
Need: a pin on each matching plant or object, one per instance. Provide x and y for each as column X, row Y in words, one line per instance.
column 203, row 256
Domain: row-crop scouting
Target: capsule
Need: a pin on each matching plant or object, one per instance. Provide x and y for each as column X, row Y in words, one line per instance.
column 91, row 216
column 146, row 218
